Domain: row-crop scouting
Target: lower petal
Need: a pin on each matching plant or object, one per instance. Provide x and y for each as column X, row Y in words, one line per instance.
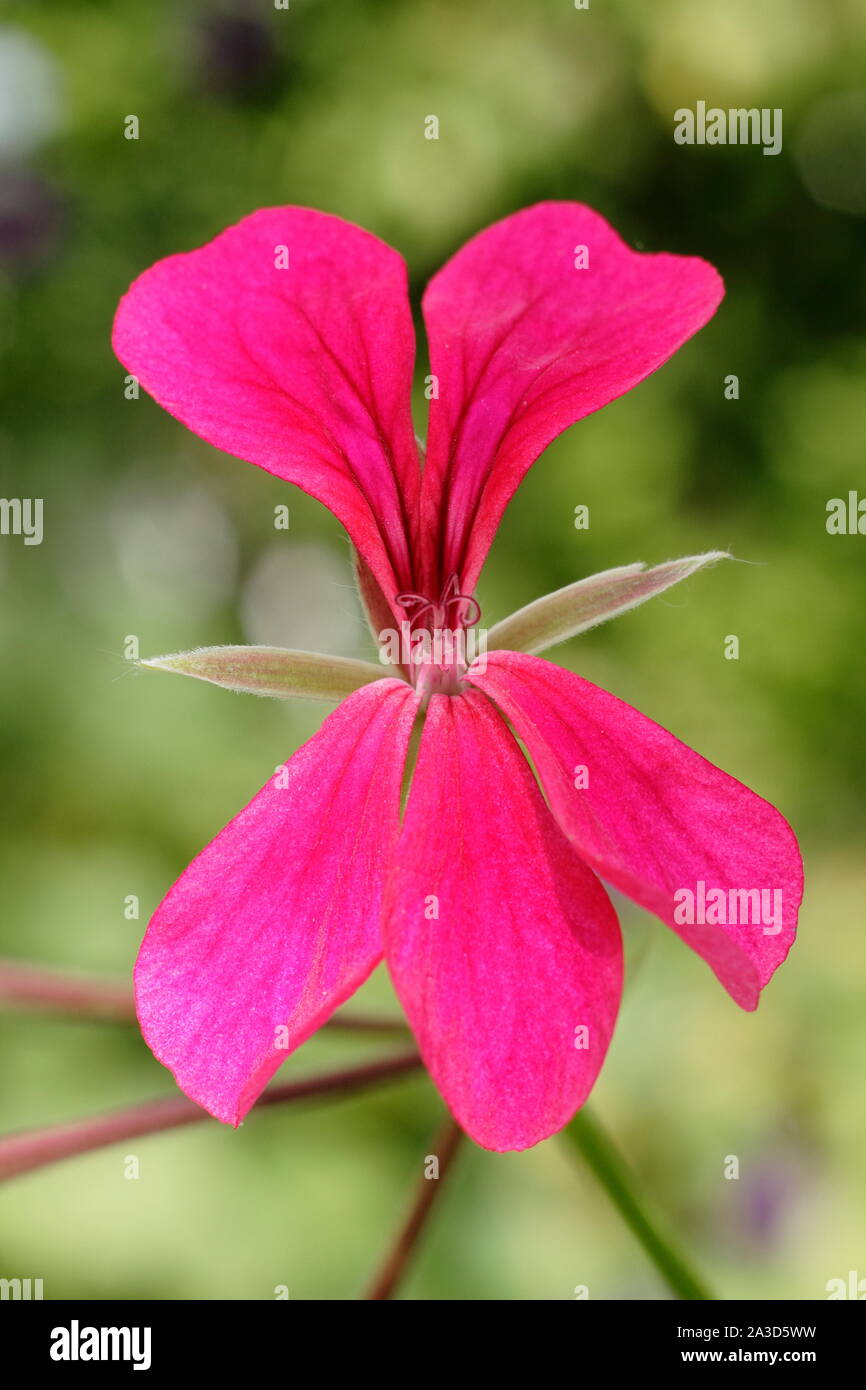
column 278, row 920
column 657, row 820
column 504, row 948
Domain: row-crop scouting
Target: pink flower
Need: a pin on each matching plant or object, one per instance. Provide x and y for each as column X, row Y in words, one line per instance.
column 288, row 341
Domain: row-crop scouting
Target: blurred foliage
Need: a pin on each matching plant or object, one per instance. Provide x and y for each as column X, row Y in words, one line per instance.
column 114, row 778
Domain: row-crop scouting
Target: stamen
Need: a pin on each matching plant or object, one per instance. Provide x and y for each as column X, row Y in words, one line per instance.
column 467, row 609
column 438, row 665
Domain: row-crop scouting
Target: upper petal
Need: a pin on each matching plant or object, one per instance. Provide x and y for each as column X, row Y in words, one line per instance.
column 655, row 818
column 504, row 948
column 523, row 343
column 279, row 919
column 288, row 341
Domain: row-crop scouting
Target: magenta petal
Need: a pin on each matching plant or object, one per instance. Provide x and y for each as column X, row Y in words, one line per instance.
column 304, row 368
column 503, row 946
column 523, row 344
column 279, row 919
column 656, row 819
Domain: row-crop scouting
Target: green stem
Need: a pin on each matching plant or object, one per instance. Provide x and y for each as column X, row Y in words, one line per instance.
column 586, row 1135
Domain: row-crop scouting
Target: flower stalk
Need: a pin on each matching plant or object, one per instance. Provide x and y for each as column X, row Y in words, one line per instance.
column 395, row 1264
column 35, row 1148
column 24, row 986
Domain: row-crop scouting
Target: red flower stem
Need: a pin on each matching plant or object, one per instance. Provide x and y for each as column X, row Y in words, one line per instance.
column 33, row 1148
column 52, row 991
column 393, row 1267
column 367, row 1023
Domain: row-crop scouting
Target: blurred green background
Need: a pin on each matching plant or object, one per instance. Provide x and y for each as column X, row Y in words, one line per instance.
column 115, row 777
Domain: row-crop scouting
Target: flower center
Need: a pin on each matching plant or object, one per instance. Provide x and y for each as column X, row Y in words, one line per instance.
column 437, row 645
